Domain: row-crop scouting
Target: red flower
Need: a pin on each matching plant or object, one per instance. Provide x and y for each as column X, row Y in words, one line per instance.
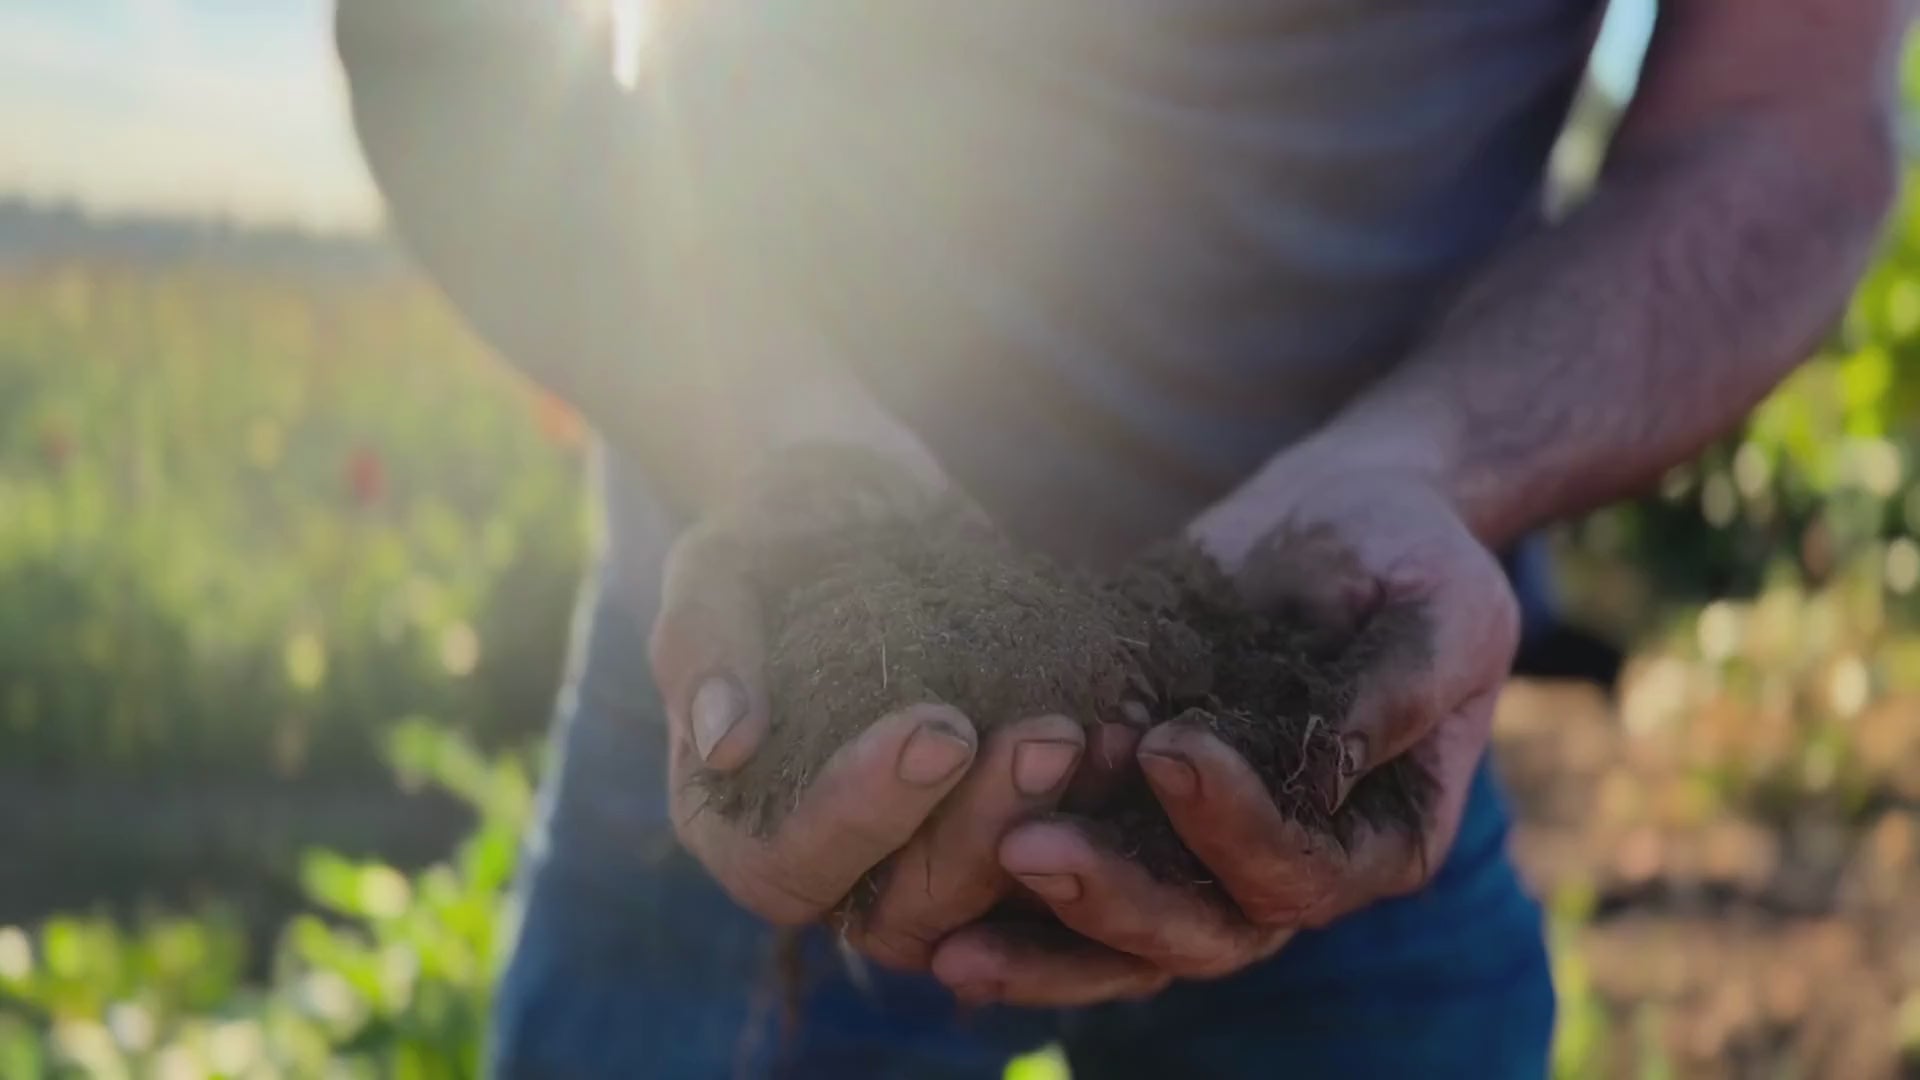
column 366, row 476
column 557, row 421
column 56, row 447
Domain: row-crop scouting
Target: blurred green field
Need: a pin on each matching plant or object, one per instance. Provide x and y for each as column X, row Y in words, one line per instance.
column 245, row 524
column 259, row 526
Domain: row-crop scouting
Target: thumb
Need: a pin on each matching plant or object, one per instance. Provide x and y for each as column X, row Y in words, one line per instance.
column 1419, row 659
column 708, row 648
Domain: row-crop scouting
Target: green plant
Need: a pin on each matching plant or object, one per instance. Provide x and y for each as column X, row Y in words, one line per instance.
column 246, row 521
column 390, row 976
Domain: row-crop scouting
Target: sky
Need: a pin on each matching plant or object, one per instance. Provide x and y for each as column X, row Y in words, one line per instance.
column 234, row 108
column 204, row 107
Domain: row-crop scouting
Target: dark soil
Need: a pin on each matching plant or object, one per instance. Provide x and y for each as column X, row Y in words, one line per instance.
column 878, row 596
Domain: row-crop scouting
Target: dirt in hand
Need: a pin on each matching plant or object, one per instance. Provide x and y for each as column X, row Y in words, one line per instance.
column 877, row 596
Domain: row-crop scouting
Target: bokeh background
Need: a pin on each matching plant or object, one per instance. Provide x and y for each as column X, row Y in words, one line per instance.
column 286, row 565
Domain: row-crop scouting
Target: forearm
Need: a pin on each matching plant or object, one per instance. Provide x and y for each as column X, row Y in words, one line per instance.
column 1595, row 355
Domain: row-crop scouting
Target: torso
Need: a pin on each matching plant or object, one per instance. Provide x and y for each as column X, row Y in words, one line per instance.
column 1104, row 256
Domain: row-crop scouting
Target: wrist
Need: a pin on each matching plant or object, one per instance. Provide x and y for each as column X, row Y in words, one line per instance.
column 728, row 436
column 1407, row 433
column 1385, row 449
column 832, row 408
column 1423, row 435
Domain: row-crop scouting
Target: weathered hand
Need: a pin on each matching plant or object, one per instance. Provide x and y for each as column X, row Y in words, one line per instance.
column 1356, row 538
column 901, row 792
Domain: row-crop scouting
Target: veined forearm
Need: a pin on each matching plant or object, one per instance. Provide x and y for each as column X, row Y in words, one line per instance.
column 1595, row 355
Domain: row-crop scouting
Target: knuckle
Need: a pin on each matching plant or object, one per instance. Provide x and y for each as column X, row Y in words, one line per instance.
column 875, row 831
column 1412, row 878
column 761, row 884
column 781, row 902
column 898, row 944
column 1124, row 935
column 1285, row 909
column 1286, row 895
column 1324, row 915
column 1211, row 963
column 1409, row 716
column 810, row 887
column 1328, row 906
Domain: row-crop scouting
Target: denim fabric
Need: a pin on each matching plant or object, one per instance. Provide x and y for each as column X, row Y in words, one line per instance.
column 630, row 962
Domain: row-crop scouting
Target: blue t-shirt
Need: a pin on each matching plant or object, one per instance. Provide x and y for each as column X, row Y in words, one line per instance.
column 1104, row 256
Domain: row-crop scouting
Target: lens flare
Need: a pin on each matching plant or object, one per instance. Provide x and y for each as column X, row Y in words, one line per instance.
column 631, row 22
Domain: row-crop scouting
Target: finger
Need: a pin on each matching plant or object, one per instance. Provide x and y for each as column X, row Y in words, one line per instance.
column 1452, row 755
column 1277, row 872
column 1110, row 899
column 1428, row 649
column 949, row 873
column 866, row 803
column 707, row 650
column 1107, row 765
column 1039, row 967
column 1385, row 862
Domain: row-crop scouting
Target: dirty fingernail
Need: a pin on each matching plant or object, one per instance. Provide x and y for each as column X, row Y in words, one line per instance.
column 1060, row 888
column 1114, row 743
column 1041, row 765
column 717, row 706
column 1353, row 754
column 933, row 754
column 1353, row 762
column 1171, row 775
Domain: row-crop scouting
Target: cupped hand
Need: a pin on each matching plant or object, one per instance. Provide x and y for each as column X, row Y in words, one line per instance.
column 1349, row 541
column 919, row 791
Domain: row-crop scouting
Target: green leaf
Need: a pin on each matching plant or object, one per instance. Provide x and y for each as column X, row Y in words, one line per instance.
column 1047, row 1064
column 332, row 881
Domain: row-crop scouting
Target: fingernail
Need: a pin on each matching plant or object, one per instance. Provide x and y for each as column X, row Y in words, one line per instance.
column 1171, row 775
column 1041, row 765
column 1115, row 743
column 717, row 706
column 1059, row 888
column 1353, row 761
column 932, row 754
column 1353, row 754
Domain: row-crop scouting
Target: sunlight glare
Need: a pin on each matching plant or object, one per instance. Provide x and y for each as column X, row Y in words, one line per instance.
column 631, row 21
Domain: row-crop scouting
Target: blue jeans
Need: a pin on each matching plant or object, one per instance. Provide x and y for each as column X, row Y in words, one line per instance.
column 630, row 962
